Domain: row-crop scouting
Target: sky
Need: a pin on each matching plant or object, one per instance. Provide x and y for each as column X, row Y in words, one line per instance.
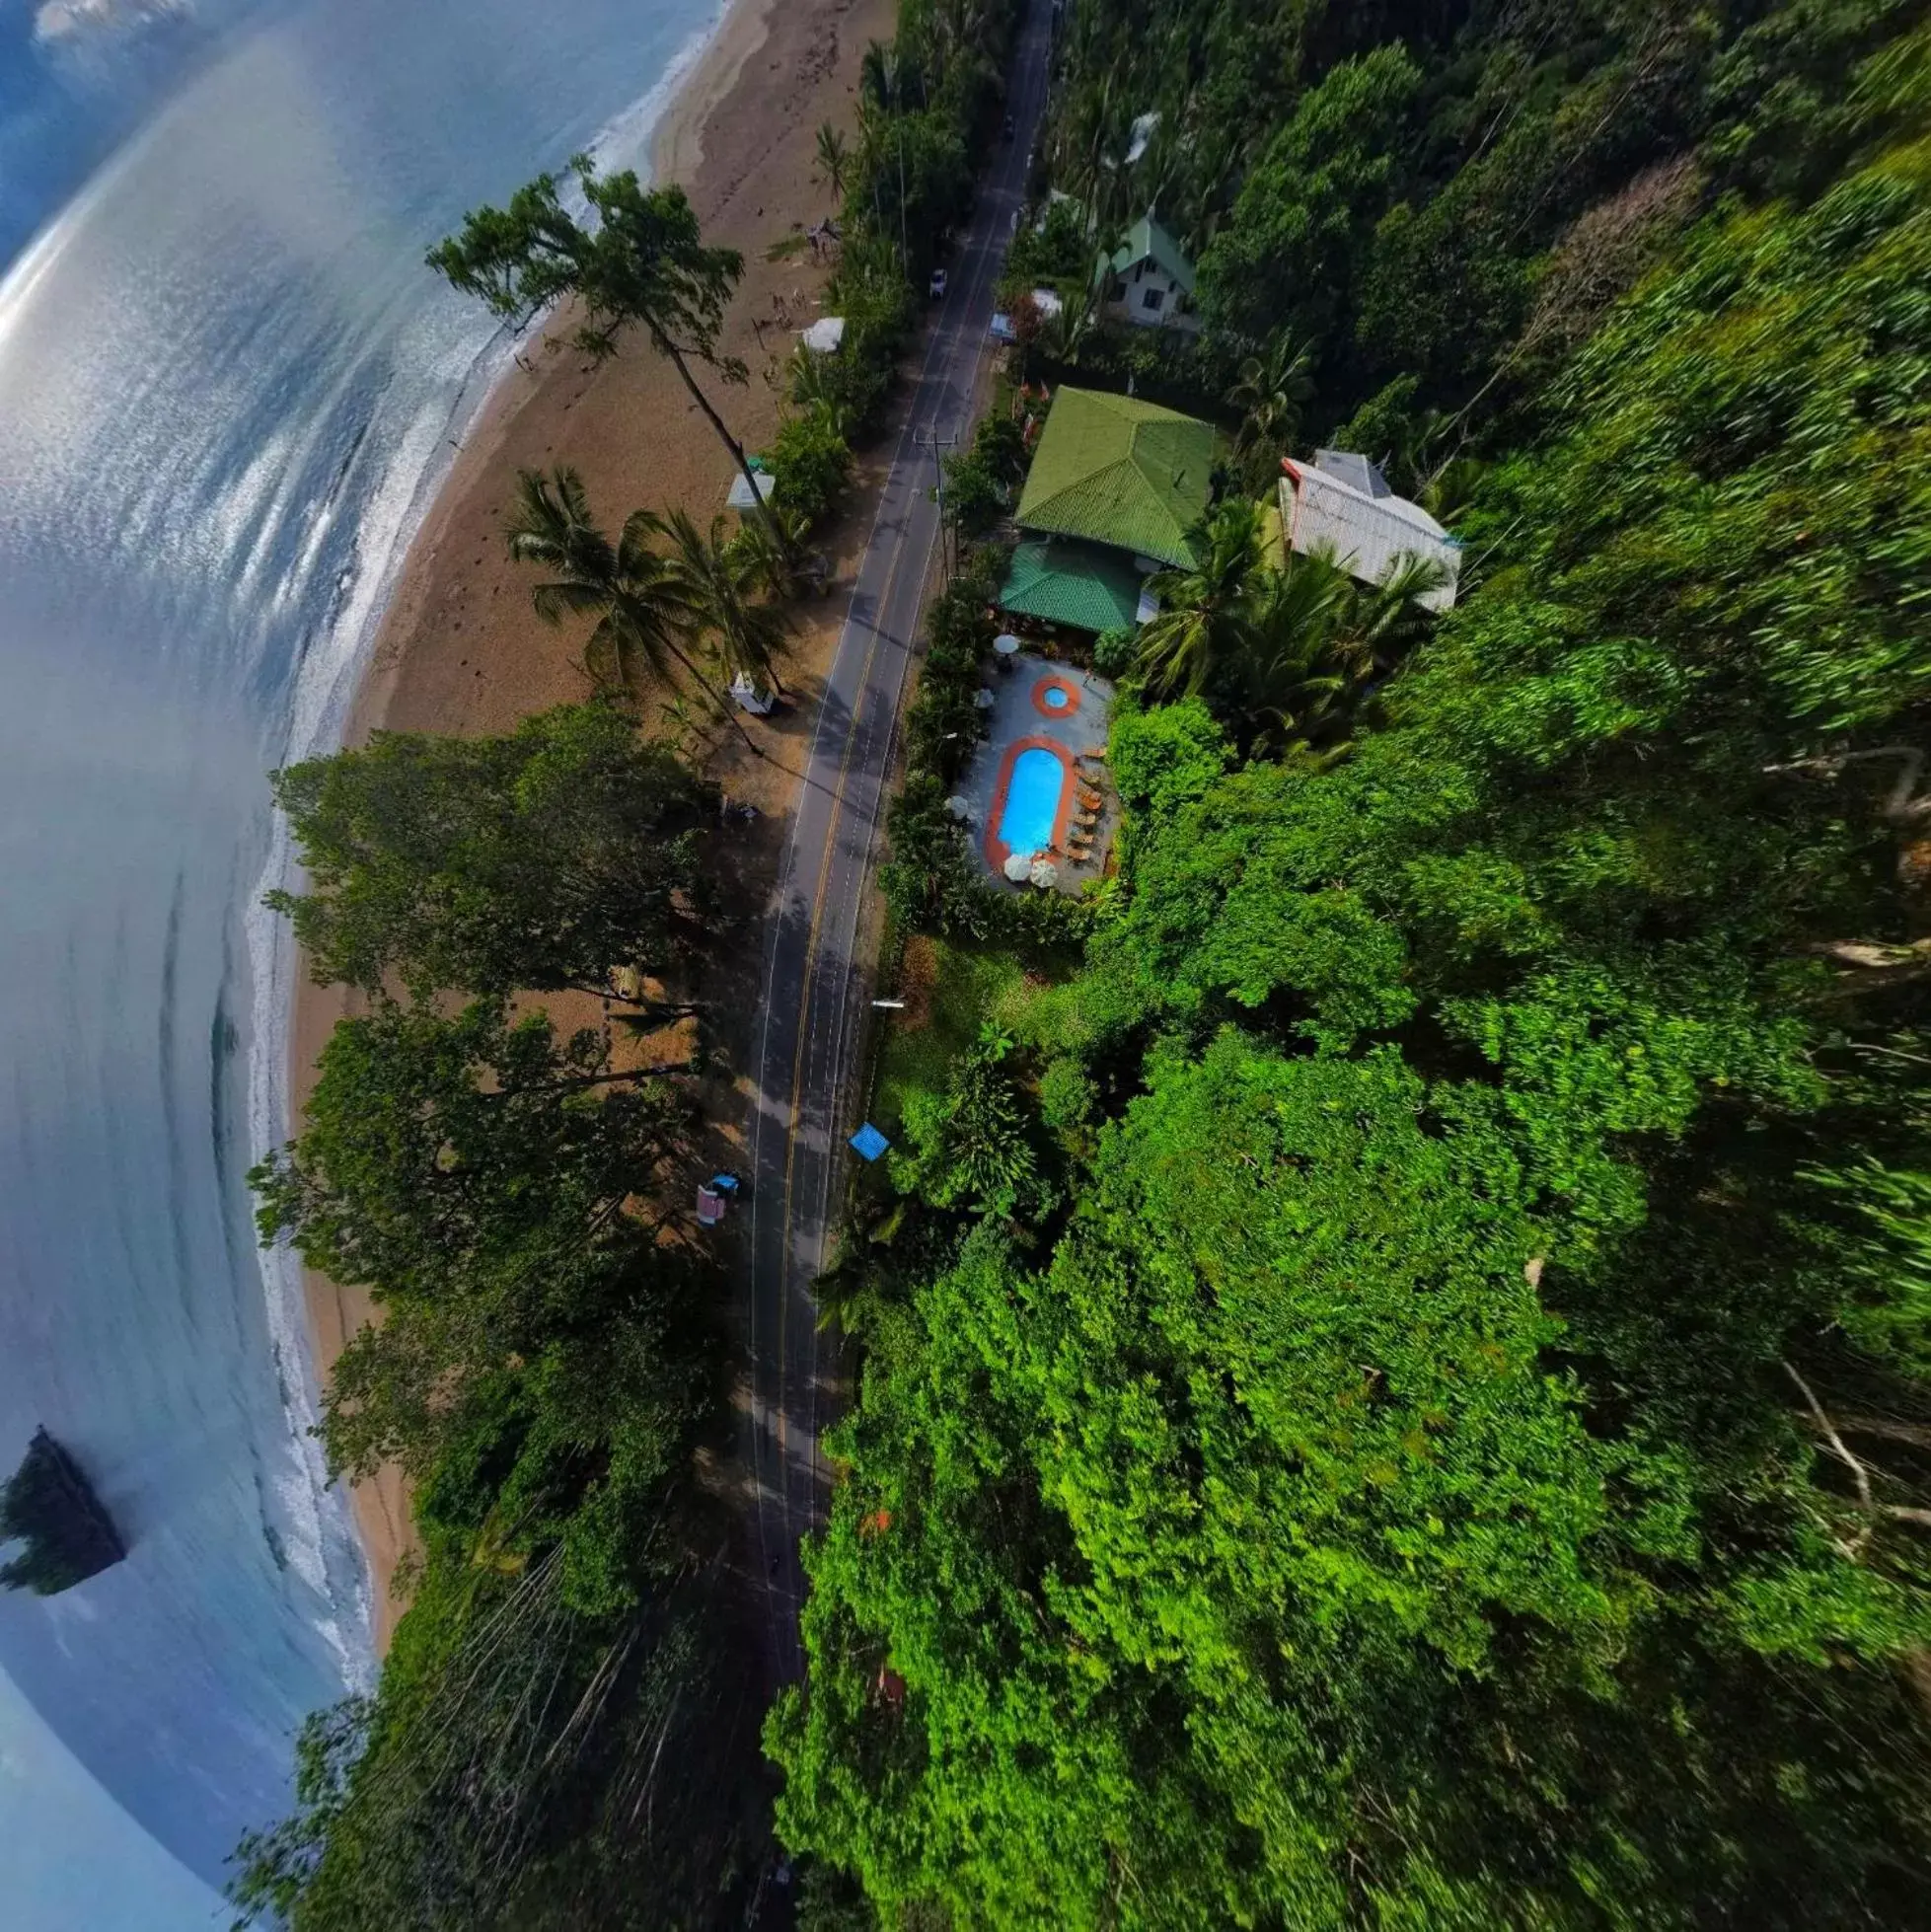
column 115, row 1873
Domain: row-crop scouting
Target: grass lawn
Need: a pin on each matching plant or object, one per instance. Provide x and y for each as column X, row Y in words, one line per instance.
column 948, row 992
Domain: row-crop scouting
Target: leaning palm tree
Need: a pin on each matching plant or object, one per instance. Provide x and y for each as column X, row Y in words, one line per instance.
column 634, row 593
column 717, row 586
column 1204, row 612
column 834, row 158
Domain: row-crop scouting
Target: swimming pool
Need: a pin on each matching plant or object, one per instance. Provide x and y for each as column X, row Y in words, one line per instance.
column 1056, row 696
column 1031, row 807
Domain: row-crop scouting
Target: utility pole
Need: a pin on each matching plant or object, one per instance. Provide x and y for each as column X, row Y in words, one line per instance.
column 935, row 442
column 905, row 252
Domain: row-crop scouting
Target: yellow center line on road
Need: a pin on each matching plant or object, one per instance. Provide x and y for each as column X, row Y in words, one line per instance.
column 804, row 988
column 964, row 341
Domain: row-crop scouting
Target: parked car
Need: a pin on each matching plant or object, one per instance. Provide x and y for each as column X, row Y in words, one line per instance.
column 938, row 289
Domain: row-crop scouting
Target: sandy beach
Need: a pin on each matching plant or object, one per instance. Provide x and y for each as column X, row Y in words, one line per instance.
column 460, row 649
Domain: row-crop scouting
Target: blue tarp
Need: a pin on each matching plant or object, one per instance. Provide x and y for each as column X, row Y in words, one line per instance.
column 869, row 1141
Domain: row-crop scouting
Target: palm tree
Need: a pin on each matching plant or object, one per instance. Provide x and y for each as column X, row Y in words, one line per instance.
column 813, row 389
column 878, row 77
column 1066, row 333
column 1314, row 636
column 1269, row 393
column 1204, row 612
column 633, row 592
column 1287, row 647
column 774, row 563
column 1447, row 491
column 716, row 585
column 833, row 155
column 1384, row 620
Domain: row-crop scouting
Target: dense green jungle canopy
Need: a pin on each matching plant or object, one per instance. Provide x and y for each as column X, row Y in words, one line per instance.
column 1395, row 1371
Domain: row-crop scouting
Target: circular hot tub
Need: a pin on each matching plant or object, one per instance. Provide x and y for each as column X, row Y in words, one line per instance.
column 1056, row 696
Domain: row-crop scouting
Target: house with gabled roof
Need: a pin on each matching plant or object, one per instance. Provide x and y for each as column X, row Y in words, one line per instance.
column 1341, row 503
column 1114, row 491
column 1147, row 280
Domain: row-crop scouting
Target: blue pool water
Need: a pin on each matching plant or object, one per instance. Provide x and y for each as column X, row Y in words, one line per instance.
column 1032, row 801
column 1056, row 698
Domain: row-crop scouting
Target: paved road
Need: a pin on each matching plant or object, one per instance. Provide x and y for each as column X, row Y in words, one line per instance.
column 816, row 989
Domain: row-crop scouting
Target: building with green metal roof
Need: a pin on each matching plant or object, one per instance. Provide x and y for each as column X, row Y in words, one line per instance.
column 1116, row 471
column 1064, row 581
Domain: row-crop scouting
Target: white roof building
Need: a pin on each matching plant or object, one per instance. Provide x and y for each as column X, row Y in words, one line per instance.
column 1342, row 502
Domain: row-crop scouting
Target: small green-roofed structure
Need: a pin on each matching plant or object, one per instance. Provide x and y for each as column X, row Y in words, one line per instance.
column 1117, row 471
column 1147, row 241
column 1065, row 581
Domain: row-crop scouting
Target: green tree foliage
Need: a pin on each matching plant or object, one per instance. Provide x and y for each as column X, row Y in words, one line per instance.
column 1286, row 259
column 812, row 461
column 982, row 483
column 473, row 1173
column 644, row 265
column 1462, row 1455
column 543, row 859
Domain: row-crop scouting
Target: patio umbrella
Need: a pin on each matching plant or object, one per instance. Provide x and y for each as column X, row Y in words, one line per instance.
column 1005, row 644
column 1043, row 872
column 958, row 807
column 1018, row 868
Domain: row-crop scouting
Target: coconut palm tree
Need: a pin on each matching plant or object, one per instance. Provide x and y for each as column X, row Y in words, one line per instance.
column 1383, row 622
column 1288, row 665
column 812, row 388
column 1205, row 611
column 774, row 566
column 638, row 598
column 1269, row 393
column 833, row 157
column 878, row 77
column 1067, row 333
column 716, row 591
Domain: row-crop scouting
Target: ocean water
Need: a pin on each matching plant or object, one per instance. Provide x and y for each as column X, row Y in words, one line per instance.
column 227, row 388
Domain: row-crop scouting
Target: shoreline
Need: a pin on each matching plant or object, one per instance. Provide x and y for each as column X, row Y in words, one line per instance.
column 456, row 647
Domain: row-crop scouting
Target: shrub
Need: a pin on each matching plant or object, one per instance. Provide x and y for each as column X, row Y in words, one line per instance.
column 1114, row 651
column 811, row 461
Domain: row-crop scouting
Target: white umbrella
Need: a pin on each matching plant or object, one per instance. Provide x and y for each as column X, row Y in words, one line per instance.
column 958, row 807
column 984, row 698
column 1005, row 644
column 1043, row 872
column 1018, row 868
